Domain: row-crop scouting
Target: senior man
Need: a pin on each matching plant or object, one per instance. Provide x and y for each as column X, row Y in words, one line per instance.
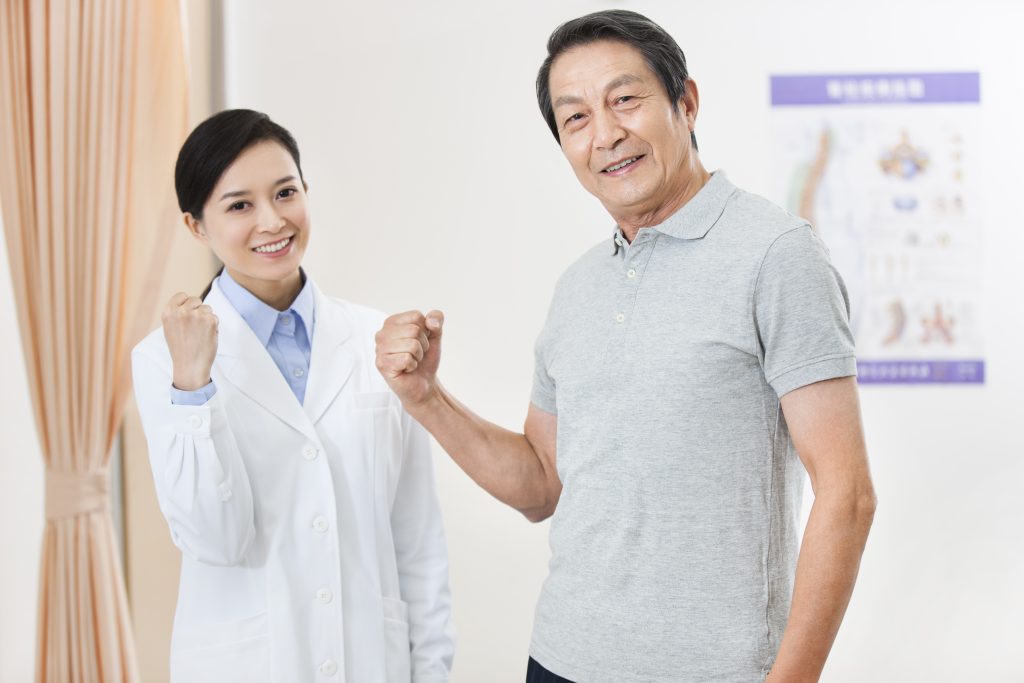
column 689, row 372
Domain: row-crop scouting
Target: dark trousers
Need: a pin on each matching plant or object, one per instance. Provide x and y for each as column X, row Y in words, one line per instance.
column 535, row 673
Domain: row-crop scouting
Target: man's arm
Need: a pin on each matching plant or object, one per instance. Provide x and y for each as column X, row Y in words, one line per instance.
column 517, row 469
column 825, row 425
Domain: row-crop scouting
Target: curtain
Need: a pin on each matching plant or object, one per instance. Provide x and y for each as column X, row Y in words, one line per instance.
column 92, row 111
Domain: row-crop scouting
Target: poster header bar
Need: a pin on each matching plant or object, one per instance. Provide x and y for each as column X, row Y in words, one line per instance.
column 897, row 88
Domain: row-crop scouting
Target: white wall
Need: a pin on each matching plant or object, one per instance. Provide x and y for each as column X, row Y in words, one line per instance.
column 21, row 498
column 436, row 184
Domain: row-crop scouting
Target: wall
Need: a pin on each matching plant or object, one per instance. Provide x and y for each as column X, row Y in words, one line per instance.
column 435, row 184
column 21, row 497
column 152, row 561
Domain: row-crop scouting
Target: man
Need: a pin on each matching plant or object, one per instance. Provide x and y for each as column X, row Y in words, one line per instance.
column 687, row 370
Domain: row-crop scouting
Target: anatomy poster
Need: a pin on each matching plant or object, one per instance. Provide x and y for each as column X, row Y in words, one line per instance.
column 885, row 167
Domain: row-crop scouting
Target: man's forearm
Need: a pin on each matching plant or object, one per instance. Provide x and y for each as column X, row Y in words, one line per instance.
column 504, row 463
column 833, row 543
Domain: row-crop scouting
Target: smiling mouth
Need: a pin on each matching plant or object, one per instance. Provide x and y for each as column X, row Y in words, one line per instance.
column 625, row 163
column 274, row 247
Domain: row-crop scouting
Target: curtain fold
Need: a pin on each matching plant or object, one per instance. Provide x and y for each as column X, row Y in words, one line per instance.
column 93, row 107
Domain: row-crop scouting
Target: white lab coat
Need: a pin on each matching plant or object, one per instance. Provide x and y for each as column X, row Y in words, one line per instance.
column 311, row 538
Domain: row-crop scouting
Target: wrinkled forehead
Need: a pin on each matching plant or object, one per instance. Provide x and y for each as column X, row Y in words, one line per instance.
column 592, row 69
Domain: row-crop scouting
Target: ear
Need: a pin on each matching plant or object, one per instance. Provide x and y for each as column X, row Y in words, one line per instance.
column 689, row 103
column 195, row 227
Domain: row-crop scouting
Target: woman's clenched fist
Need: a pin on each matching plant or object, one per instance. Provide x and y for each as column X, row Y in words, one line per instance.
column 190, row 328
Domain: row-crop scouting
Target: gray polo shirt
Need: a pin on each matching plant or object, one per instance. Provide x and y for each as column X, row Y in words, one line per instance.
column 674, row 544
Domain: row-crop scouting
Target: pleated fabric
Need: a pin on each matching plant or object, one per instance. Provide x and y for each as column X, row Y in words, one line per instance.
column 93, row 108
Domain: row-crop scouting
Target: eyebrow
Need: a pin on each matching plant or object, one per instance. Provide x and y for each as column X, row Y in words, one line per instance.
column 242, row 193
column 624, row 79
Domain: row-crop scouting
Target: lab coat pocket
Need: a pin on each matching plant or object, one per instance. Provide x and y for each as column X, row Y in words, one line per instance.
column 375, row 400
column 396, row 640
column 223, row 652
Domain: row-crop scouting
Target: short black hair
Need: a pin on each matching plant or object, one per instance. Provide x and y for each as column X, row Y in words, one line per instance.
column 214, row 145
column 660, row 50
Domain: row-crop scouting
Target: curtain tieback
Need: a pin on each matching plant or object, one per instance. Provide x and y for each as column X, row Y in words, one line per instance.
column 69, row 494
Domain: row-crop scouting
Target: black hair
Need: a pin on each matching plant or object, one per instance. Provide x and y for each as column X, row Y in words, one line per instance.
column 213, row 146
column 660, row 50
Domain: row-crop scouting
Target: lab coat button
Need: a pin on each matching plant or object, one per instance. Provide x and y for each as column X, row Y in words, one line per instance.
column 324, row 596
column 329, row 667
column 195, row 421
column 320, row 524
column 309, row 452
column 225, row 492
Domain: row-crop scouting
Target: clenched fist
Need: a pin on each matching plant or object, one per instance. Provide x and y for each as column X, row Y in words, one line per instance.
column 190, row 328
column 408, row 354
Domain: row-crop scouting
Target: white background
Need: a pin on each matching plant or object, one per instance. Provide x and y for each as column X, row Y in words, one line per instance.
column 435, row 183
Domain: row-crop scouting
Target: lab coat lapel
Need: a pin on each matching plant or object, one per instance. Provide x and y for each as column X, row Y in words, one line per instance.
column 246, row 364
column 332, row 358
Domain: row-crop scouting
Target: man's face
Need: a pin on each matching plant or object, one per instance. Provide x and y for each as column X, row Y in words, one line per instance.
column 626, row 143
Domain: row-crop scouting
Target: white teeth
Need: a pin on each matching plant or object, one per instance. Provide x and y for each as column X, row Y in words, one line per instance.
column 271, row 248
column 625, row 163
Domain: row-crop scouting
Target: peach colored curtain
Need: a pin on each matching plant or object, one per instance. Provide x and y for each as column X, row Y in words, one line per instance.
column 92, row 111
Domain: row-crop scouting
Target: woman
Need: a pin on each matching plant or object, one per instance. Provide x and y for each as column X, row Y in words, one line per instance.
column 300, row 494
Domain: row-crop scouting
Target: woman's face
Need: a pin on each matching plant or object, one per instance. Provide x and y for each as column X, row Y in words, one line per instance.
column 256, row 220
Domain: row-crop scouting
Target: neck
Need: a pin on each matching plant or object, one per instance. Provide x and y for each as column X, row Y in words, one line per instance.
column 630, row 222
column 278, row 294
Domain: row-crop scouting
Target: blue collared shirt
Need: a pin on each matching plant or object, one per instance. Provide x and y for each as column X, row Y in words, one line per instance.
column 286, row 335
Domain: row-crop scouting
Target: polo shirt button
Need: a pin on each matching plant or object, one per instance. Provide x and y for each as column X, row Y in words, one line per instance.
column 324, row 596
column 195, row 421
column 329, row 667
column 309, row 452
column 620, row 317
column 631, row 272
column 298, row 372
column 320, row 524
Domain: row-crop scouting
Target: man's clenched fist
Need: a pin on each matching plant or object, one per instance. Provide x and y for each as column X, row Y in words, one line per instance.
column 408, row 354
column 190, row 328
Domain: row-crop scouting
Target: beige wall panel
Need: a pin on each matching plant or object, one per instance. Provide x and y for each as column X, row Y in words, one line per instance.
column 152, row 561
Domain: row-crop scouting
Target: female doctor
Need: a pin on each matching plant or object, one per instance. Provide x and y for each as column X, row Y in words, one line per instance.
column 300, row 493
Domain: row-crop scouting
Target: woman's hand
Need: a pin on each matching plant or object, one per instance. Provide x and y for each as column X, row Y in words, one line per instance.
column 190, row 328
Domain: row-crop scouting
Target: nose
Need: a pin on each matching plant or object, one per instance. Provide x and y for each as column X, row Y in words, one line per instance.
column 608, row 132
column 269, row 219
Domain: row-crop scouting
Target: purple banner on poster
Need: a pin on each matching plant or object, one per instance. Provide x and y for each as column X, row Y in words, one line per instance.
column 921, row 372
column 899, row 88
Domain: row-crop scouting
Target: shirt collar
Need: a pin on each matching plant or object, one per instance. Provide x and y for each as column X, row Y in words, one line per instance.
column 697, row 216
column 262, row 318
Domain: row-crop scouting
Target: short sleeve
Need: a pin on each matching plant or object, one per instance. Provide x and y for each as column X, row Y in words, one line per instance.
column 543, row 394
column 802, row 314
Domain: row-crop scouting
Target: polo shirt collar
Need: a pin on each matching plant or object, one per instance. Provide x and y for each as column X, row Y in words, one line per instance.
column 262, row 318
column 696, row 218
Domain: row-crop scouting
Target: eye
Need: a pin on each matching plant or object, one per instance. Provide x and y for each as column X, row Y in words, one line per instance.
column 573, row 119
column 287, row 192
column 624, row 99
column 238, row 206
